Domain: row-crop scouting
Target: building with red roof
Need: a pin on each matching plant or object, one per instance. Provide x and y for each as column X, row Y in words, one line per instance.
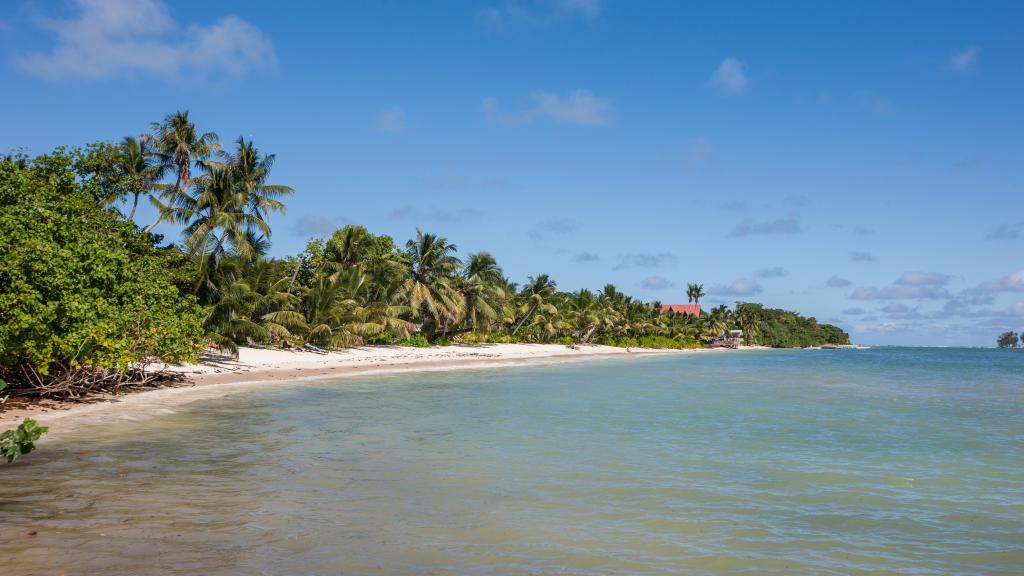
column 691, row 309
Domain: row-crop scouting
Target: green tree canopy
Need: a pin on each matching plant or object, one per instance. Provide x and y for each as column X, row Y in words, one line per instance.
column 80, row 286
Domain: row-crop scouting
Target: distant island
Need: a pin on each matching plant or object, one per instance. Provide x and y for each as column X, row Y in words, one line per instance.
column 90, row 298
column 1009, row 339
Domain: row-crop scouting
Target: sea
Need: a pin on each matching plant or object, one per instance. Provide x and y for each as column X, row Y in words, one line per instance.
column 846, row 462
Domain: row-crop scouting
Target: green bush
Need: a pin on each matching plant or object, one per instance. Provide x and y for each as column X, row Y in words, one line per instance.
column 80, row 287
column 444, row 341
column 21, row 440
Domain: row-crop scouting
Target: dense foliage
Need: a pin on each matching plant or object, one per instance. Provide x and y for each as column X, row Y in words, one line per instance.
column 1008, row 339
column 82, row 287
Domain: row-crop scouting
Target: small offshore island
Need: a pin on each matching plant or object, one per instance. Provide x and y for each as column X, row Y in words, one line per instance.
column 95, row 303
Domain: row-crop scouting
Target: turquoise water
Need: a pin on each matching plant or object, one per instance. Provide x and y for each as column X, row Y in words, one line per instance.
column 882, row 461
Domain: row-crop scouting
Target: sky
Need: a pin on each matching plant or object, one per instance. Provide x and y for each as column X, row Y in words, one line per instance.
column 859, row 162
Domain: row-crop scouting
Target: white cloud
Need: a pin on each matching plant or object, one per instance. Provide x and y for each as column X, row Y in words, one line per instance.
column 646, row 260
column 580, row 107
column 1012, row 283
column 111, row 37
column 773, row 272
column 391, row 120
column 966, row 60
column 739, row 287
column 862, row 256
column 543, row 14
column 657, row 283
column 730, row 77
column 899, row 292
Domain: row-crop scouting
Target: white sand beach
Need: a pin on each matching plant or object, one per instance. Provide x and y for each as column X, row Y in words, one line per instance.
column 256, row 367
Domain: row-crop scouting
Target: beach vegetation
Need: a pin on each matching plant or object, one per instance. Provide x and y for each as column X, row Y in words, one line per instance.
column 1008, row 339
column 87, row 290
column 21, row 440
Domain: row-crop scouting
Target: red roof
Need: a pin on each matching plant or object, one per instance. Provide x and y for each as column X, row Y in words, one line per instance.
column 691, row 309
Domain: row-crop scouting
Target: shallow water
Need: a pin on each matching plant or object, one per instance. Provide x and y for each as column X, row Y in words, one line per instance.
column 879, row 461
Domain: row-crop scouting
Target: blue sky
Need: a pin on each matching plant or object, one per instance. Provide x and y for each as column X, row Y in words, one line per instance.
column 856, row 161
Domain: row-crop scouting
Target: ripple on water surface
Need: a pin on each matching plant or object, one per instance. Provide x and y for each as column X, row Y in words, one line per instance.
column 901, row 461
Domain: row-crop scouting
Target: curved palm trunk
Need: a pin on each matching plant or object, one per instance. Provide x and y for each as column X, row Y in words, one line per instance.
column 135, row 204
column 529, row 312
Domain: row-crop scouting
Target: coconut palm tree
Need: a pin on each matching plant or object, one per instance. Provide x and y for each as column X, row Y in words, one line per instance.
column 695, row 292
column 534, row 297
column 180, row 145
column 482, row 291
column 430, row 285
column 139, row 168
column 250, row 170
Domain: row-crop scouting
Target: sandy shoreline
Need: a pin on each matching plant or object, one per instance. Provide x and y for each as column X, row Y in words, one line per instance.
column 215, row 377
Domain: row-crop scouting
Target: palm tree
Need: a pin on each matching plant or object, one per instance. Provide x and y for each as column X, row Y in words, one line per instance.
column 695, row 292
column 430, row 284
column 180, row 145
column 250, row 170
column 481, row 288
column 140, row 169
column 216, row 217
column 535, row 294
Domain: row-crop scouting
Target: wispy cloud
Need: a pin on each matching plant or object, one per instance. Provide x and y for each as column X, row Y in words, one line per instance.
column 862, row 256
column 790, row 225
column 586, row 257
column 657, row 283
column 965, row 60
column 739, row 287
column 853, row 311
column 730, row 77
column 434, row 214
column 538, row 14
column 645, row 260
column 1011, row 283
column 111, row 37
column 837, row 282
column 552, row 227
column 1008, row 231
column 773, row 272
column 579, row 107
column 863, row 231
column 391, row 120
column 923, row 279
column 909, row 286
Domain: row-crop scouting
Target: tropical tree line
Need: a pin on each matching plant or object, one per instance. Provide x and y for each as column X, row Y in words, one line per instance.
column 89, row 297
column 1009, row 339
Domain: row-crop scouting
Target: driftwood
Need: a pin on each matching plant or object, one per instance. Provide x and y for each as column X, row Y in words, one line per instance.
column 66, row 382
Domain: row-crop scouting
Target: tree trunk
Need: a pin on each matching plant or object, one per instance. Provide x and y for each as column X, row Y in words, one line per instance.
column 135, row 204
column 529, row 312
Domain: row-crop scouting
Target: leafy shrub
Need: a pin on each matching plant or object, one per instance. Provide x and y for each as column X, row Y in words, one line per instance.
column 444, row 341
column 566, row 340
column 21, row 440
column 79, row 287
